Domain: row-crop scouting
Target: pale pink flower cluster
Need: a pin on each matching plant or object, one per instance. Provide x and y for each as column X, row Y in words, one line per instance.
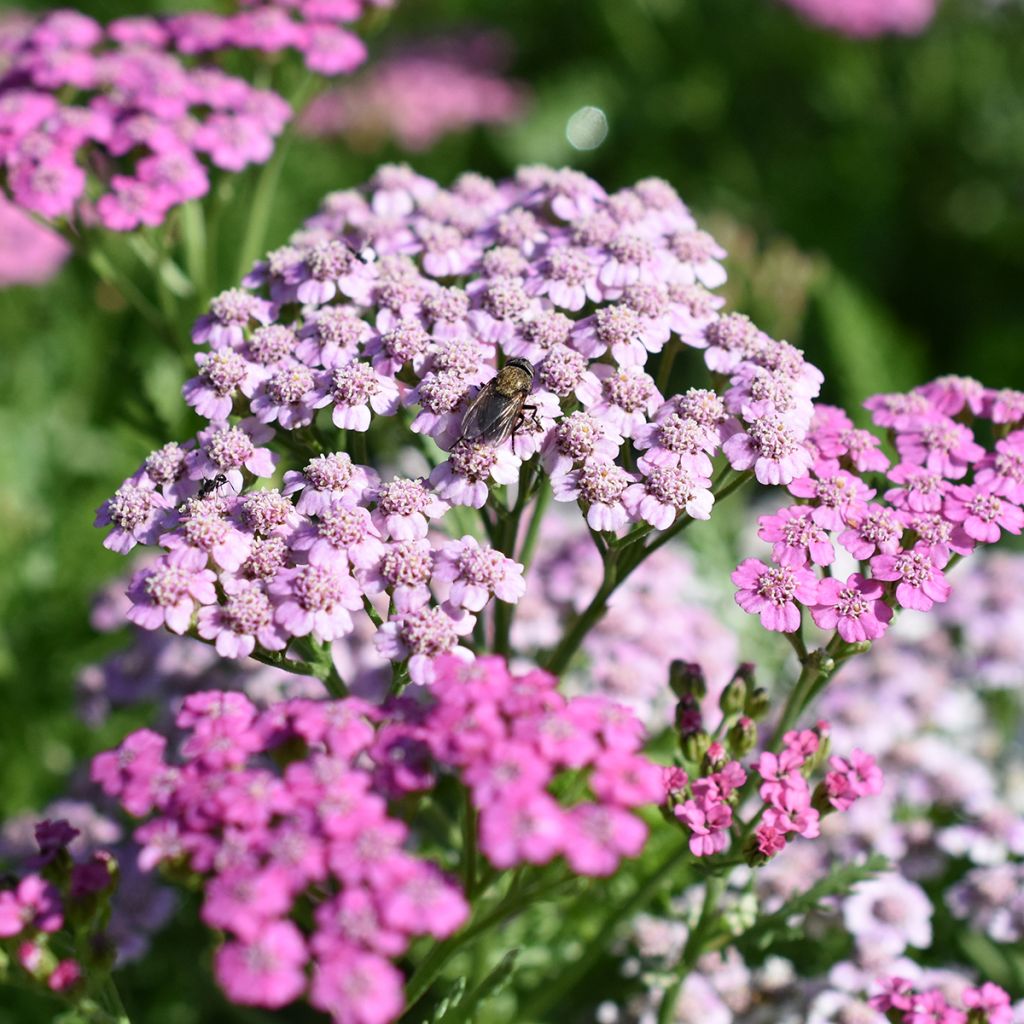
column 862, row 19
column 419, row 94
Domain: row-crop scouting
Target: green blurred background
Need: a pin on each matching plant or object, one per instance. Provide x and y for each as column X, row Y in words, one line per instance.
column 871, row 195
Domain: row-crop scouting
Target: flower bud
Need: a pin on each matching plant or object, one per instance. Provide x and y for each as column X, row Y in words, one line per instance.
column 686, row 679
column 734, row 696
column 695, row 746
column 714, row 758
column 757, row 703
column 688, row 716
column 742, row 736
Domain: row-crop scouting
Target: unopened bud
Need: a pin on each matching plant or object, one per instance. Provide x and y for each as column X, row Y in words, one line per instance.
column 734, row 696
column 715, row 758
column 695, row 746
column 688, row 716
column 742, row 736
column 757, row 703
column 686, row 679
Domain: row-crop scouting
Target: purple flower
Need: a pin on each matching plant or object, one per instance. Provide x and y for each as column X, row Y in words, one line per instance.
column 623, row 398
column 244, row 619
column 403, row 507
column 982, row 512
column 354, row 390
column 137, row 512
column 665, row 492
column 602, row 487
column 327, row 480
column 887, row 914
column 357, row 987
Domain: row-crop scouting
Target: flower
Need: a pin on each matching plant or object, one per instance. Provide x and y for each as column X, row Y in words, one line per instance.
column 773, row 592
column 867, row 18
column 918, row 575
column 856, row 609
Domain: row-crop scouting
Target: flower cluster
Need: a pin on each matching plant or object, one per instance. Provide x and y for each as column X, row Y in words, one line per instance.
column 53, row 918
column 902, row 1004
column 419, row 94
column 945, row 496
column 300, row 859
column 863, row 19
column 515, row 742
column 401, row 300
column 129, row 104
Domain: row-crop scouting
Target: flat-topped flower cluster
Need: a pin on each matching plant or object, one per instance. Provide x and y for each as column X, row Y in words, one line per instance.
column 401, row 300
column 283, row 814
column 945, row 496
column 119, row 124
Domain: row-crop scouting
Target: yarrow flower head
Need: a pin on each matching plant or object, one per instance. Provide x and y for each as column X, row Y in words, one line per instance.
column 130, row 102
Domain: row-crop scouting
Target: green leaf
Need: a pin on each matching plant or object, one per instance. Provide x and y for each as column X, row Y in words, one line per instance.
column 464, row 1010
column 838, row 882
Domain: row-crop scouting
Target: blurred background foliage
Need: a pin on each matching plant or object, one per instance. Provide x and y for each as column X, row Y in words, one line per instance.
column 870, row 193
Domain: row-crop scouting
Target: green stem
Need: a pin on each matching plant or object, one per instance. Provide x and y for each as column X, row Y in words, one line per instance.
column 714, row 887
column 570, row 977
column 668, row 357
column 533, row 530
column 469, row 821
column 111, row 999
column 515, row 901
column 194, row 240
column 254, row 240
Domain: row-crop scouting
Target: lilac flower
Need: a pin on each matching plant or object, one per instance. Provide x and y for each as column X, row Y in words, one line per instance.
column 624, row 398
column 771, row 449
column 168, row 593
column 665, row 492
column 403, row 569
column 888, row 914
column 328, row 480
column 221, row 375
column 475, row 573
column 423, row 635
column 602, row 487
column 341, row 535
column 230, row 449
column 578, row 438
column 354, row 390
column 244, row 619
column 137, row 512
column 940, row 445
column 403, row 508
column 463, row 479
column 315, row 600
column 288, row 395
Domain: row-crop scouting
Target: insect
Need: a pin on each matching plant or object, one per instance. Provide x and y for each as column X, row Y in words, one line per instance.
column 500, row 408
column 211, row 485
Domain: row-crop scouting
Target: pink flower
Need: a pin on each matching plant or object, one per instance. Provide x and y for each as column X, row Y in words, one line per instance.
column 839, row 497
column 529, row 827
column 941, row 445
column 982, row 512
column 771, row 448
column 315, row 600
column 622, row 398
column 856, row 608
column 464, row 479
column 266, row 971
column 851, row 778
column 244, row 619
column 918, row 575
column 403, row 507
column 596, row 837
column 476, row 573
column 796, row 537
column 357, row 988
column 994, row 1000
column 875, row 528
column 773, row 592
column 602, row 487
column 422, row 635
column 708, row 823
column 665, row 493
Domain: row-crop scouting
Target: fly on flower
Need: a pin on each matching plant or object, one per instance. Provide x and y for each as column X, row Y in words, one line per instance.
column 500, row 407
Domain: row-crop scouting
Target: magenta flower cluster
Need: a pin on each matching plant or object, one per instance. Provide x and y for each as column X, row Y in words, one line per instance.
column 945, row 496
column 513, row 740
column 419, row 94
column 277, row 812
column 283, row 814
column 117, row 125
column 902, row 1004
column 52, row 917
column 789, row 808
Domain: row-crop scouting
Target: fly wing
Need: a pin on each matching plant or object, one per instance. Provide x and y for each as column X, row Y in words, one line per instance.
column 490, row 417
